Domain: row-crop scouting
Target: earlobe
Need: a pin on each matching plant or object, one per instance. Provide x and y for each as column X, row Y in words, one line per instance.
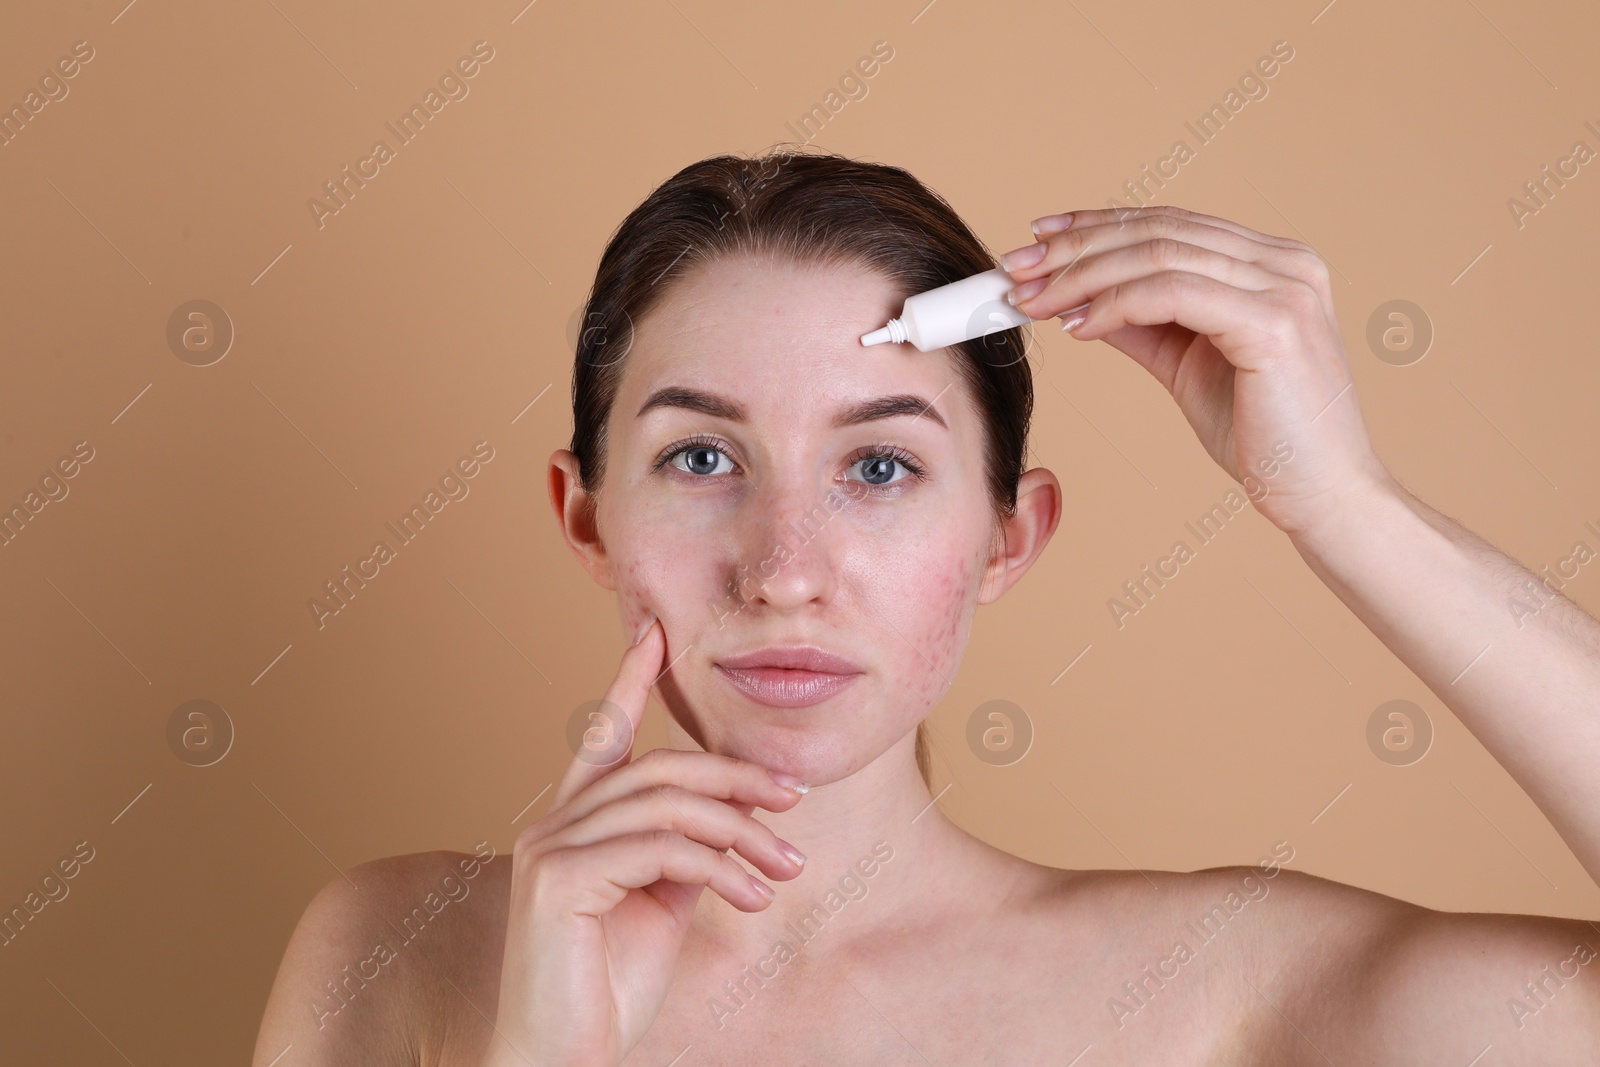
column 575, row 514
column 1023, row 535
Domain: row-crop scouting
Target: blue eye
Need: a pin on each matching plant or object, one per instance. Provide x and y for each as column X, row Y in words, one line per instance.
column 878, row 463
column 701, row 459
column 706, row 457
column 878, row 470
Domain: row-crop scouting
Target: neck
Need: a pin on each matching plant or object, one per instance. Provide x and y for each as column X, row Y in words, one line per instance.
column 859, row 835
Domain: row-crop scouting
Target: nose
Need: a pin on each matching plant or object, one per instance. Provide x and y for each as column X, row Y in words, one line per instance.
column 789, row 553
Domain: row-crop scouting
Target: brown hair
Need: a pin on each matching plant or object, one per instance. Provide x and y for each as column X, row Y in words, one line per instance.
column 810, row 207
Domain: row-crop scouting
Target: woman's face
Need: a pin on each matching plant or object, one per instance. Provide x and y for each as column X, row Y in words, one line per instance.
column 770, row 483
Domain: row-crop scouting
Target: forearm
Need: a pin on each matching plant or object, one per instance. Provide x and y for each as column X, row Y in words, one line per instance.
column 1514, row 659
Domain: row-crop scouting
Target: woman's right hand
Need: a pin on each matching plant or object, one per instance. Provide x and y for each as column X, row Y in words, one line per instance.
column 604, row 886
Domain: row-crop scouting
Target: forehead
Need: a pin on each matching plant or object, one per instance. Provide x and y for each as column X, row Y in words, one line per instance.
column 783, row 338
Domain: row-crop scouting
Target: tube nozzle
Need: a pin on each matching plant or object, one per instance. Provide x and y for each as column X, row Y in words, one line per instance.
column 894, row 331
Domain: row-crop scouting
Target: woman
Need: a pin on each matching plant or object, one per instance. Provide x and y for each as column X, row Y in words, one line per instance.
column 799, row 531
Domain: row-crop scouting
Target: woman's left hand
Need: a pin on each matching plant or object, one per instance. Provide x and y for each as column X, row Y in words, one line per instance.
column 1237, row 325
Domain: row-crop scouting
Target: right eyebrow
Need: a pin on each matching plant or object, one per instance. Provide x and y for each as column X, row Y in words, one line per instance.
column 674, row 396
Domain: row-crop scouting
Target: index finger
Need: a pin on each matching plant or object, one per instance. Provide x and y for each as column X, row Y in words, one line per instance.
column 607, row 741
column 1102, row 216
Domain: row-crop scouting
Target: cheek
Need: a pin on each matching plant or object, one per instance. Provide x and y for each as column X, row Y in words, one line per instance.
column 665, row 566
column 933, row 604
column 952, row 604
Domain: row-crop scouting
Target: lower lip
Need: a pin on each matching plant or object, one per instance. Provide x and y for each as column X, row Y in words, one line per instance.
column 781, row 688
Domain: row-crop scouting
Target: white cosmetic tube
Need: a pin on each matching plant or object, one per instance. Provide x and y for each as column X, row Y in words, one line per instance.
column 950, row 314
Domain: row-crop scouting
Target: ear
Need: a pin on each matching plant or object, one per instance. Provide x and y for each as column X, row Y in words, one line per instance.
column 575, row 512
column 1023, row 535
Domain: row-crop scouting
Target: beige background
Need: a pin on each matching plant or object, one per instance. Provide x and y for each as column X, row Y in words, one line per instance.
column 373, row 352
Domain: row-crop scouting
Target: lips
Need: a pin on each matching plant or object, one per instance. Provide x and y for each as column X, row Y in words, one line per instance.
column 793, row 676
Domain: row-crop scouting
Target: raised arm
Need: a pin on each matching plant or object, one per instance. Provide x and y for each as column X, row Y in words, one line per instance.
column 1239, row 327
column 1513, row 658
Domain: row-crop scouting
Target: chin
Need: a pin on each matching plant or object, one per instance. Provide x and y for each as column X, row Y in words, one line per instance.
column 818, row 744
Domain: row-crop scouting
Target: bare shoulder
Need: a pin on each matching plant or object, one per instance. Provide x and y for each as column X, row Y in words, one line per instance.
column 1277, row 965
column 1384, row 980
column 383, row 954
column 1323, row 970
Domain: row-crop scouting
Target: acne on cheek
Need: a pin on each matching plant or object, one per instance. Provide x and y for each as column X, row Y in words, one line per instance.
column 947, row 598
column 636, row 539
column 637, row 595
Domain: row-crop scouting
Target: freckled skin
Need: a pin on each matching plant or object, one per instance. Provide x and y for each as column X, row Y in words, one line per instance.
column 751, row 555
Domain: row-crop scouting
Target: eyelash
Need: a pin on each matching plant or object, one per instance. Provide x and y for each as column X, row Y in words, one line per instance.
column 882, row 450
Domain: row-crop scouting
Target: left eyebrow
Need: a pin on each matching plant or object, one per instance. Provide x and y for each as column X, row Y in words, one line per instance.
column 885, row 407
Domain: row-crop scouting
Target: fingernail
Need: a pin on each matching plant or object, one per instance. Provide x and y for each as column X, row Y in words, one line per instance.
column 648, row 622
column 1021, row 258
column 789, row 781
column 1071, row 315
column 761, row 887
column 1049, row 224
column 793, row 853
column 1073, row 323
column 1027, row 290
